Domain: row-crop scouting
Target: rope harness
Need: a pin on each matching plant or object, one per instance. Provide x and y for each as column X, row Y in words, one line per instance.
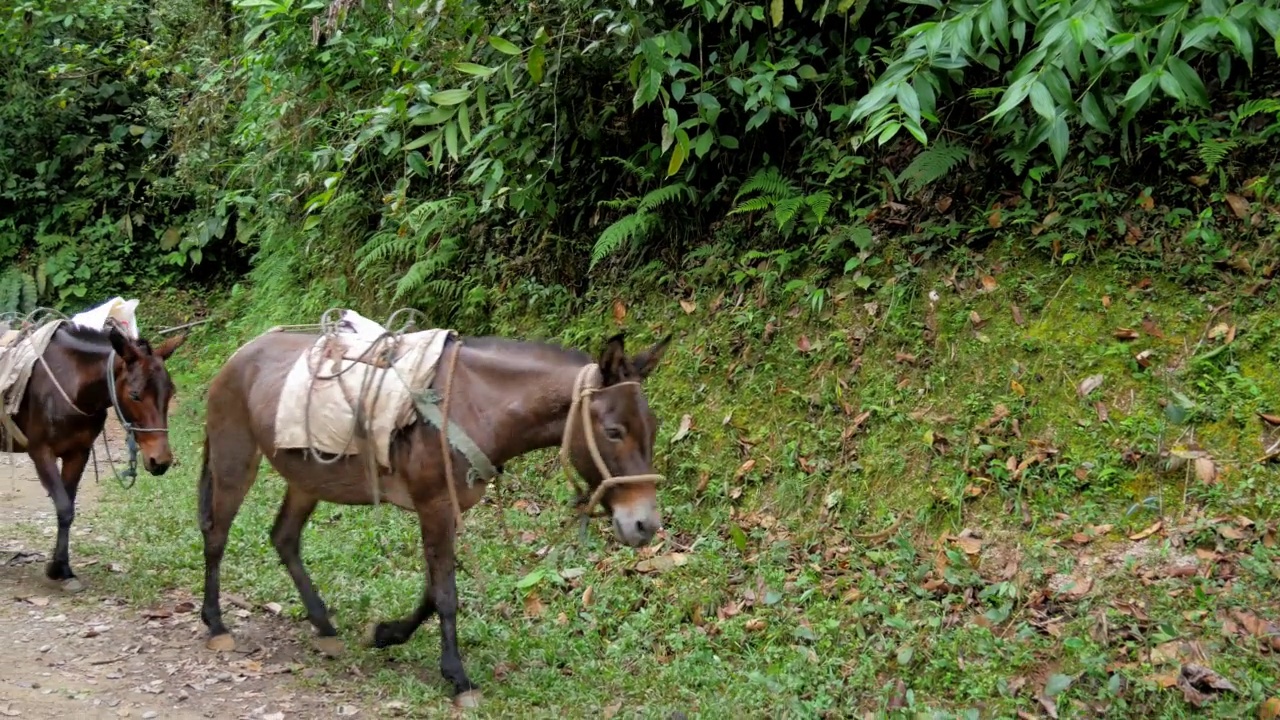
column 434, row 410
column 28, row 325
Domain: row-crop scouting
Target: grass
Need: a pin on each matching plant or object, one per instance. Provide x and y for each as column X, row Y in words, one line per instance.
column 823, row 575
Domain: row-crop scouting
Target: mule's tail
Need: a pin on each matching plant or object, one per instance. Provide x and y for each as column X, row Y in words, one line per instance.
column 205, row 489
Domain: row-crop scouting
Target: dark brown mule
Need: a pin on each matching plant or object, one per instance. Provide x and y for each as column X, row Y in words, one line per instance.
column 65, row 407
column 510, row 397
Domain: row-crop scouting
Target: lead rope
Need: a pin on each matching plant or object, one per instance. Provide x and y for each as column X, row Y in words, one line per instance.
column 580, row 409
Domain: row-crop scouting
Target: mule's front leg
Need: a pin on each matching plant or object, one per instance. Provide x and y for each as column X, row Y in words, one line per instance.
column 442, row 564
column 59, row 567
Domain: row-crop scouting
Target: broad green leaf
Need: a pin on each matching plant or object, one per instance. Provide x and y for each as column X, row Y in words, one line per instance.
column 923, row 86
column 886, row 134
column 775, row 12
column 916, row 131
column 451, row 139
column 1059, row 139
column 415, row 144
column 1015, row 94
column 464, row 123
column 909, row 101
column 418, row 164
column 702, row 145
column 471, row 68
column 253, row 34
column 1058, row 84
column 450, row 97
column 1239, row 37
column 1188, row 80
column 1093, row 114
column 1140, row 87
column 678, row 155
column 678, row 90
column 435, row 116
column 1042, row 102
column 806, row 72
column 1206, row 30
column 537, row 59
column 1170, row 85
column 503, row 45
column 1057, row 684
column 729, row 142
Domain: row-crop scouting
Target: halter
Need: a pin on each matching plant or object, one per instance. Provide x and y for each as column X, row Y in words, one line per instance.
column 130, row 429
column 580, row 410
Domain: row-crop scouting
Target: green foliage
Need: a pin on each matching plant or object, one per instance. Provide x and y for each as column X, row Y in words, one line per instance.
column 17, row 292
column 635, row 227
column 769, row 190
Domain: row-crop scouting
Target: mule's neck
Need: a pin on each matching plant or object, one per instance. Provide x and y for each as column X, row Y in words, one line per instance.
column 85, row 379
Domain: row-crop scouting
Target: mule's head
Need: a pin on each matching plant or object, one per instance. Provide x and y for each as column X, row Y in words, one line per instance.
column 143, row 389
column 625, row 431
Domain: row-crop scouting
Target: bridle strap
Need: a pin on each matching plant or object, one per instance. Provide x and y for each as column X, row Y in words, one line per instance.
column 586, row 384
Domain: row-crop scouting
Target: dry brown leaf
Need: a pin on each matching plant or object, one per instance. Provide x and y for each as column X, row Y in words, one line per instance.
column 744, row 468
column 1269, row 710
column 975, row 319
column 755, row 625
column 1269, row 418
column 1146, row 202
column 1125, row 334
column 533, row 606
column 688, row 306
column 1101, row 409
column 993, row 220
column 611, row 710
column 1199, row 180
column 1017, row 388
column 943, row 204
column 1229, row 532
column 1017, row 315
column 1149, row 327
column 1239, row 205
column 904, row 357
column 1143, row 359
column 619, row 311
column 1205, row 470
column 803, row 344
column 686, row 424
column 1106, row 302
column 989, row 283
column 1148, row 532
column 1089, row 384
column 662, row 563
column 588, row 596
column 970, row 545
column 1079, row 587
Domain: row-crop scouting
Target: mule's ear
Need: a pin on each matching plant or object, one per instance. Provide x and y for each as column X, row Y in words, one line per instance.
column 648, row 360
column 166, row 348
column 123, row 346
column 614, row 366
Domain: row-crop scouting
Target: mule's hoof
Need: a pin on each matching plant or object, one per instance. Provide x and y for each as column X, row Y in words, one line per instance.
column 468, row 700
column 221, row 643
column 72, row 585
column 330, row 646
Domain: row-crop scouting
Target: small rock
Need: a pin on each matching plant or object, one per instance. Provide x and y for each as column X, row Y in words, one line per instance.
column 123, row 712
column 148, row 715
column 45, row 648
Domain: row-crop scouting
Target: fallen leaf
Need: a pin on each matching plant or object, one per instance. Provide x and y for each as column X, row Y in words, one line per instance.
column 1106, row 302
column 1269, row 710
column 688, row 306
column 8, row 711
column 157, row 614
column 1101, row 409
column 1203, row 679
column 37, row 600
column 975, row 319
column 184, row 607
column 662, row 563
column 1143, row 359
column 1148, row 532
column 619, row 311
column 348, row 710
column 755, row 625
column 1125, row 334
column 1150, row 328
column 1017, row 388
column 803, row 344
column 1017, row 315
column 744, row 468
column 1089, row 384
column 533, row 606
column 1146, row 202
column 1270, row 419
column 1078, row 588
column 588, row 596
column 989, row 283
column 1205, row 470
column 611, row 710
column 686, row 424
column 1229, row 532
column 904, row 357
column 1239, row 205
column 970, row 545
column 993, row 220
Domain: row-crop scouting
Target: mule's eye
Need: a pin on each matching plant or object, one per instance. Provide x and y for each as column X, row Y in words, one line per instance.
column 614, row 433
column 134, row 396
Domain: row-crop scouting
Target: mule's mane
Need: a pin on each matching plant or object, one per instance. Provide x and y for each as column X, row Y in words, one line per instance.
column 528, row 348
column 95, row 340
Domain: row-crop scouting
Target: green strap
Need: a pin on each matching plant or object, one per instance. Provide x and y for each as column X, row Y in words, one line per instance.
column 428, row 407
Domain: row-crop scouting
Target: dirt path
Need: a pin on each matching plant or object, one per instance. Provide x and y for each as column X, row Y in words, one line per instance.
column 90, row 655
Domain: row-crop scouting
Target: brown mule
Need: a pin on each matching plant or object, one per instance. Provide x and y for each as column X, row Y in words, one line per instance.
column 82, row 374
column 509, row 397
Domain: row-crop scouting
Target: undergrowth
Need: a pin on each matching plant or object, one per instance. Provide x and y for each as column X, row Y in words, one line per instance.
column 916, row 500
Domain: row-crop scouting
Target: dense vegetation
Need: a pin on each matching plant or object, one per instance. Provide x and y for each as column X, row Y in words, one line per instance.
column 1003, row 265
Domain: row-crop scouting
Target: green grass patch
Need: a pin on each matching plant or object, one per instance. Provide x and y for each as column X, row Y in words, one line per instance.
column 812, row 432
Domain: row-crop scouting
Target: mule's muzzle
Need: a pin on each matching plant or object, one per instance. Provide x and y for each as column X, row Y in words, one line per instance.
column 156, row 467
column 635, row 524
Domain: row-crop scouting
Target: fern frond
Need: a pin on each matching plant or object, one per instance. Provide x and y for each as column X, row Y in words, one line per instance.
column 755, row 204
column 641, row 173
column 1213, row 151
column 767, row 181
column 627, row 228
column 1256, row 107
column 820, row 204
column 786, row 209
column 1017, row 157
column 932, row 164
column 664, row 194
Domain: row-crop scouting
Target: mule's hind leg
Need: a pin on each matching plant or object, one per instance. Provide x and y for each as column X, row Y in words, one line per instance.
column 398, row 632
column 286, row 535
column 64, row 500
column 228, row 473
